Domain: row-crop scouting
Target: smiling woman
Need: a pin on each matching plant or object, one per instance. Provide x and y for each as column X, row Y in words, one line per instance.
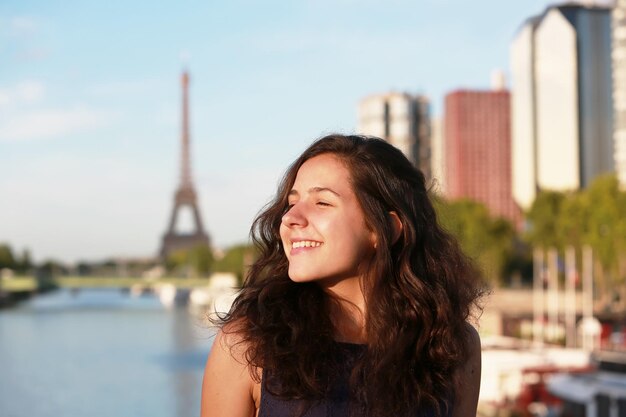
column 323, row 230
column 358, row 303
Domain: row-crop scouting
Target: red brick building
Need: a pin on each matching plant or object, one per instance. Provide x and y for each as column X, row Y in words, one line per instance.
column 478, row 150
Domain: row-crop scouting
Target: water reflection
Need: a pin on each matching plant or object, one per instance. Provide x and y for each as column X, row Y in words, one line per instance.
column 185, row 360
column 100, row 353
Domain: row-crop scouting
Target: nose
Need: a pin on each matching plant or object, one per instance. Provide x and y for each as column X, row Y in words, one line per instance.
column 295, row 216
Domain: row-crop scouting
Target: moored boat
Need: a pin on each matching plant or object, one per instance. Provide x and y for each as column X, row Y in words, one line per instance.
column 600, row 392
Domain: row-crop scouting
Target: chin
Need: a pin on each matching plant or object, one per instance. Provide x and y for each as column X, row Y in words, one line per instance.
column 298, row 278
column 303, row 276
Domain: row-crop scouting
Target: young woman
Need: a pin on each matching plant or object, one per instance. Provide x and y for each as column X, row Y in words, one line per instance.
column 358, row 302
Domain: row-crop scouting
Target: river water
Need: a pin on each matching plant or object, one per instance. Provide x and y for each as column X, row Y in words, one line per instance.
column 100, row 353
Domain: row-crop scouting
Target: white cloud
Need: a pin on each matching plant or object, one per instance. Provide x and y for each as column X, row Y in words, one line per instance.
column 5, row 98
column 24, row 92
column 49, row 123
column 30, row 91
column 32, row 54
column 24, row 35
column 23, row 26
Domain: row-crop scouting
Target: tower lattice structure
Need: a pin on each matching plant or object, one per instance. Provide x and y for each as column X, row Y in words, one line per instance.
column 185, row 195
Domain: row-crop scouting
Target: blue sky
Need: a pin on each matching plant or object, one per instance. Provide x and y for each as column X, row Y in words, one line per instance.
column 90, row 102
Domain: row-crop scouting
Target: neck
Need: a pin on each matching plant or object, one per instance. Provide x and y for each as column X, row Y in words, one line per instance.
column 348, row 310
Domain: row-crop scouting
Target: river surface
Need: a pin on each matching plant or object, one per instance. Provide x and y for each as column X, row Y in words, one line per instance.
column 100, row 353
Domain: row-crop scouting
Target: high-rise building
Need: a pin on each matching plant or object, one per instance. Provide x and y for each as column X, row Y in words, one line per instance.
column 401, row 119
column 478, row 149
column 619, row 89
column 562, row 100
column 524, row 115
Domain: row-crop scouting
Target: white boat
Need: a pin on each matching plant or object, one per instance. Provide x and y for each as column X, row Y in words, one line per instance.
column 218, row 296
column 512, row 367
column 171, row 296
column 599, row 393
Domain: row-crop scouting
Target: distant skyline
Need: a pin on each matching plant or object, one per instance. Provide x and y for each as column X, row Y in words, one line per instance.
column 90, row 103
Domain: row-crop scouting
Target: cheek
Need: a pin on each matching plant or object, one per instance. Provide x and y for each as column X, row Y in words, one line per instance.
column 356, row 240
column 283, row 233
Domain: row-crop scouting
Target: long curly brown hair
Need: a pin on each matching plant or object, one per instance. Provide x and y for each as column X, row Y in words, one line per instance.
column 419, row 292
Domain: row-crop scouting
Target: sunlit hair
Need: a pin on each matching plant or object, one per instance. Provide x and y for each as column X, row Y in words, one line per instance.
column 419, row 292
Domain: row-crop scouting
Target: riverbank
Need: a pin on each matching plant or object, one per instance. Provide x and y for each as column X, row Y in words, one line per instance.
column 17, row 289
column 8, row 299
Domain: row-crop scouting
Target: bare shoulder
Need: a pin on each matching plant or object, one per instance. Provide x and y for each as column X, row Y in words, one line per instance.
column 228, row 388
column 473, row 341
column 468, row 377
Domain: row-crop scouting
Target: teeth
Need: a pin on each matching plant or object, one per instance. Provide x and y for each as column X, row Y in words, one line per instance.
column 305, row 244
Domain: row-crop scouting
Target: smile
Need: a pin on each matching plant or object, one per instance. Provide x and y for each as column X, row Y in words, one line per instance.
column 305, row 244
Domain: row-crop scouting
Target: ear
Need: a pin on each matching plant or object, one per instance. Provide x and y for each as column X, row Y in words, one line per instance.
column 374, row 239
column 396, row 225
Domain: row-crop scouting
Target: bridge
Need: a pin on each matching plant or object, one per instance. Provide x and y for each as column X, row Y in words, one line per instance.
column 30, row 283
column 217, row 292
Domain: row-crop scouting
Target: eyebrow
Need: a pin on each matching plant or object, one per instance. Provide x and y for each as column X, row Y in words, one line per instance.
column 315, row 190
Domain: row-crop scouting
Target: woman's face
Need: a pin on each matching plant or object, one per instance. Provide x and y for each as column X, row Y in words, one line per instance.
column 323, row 231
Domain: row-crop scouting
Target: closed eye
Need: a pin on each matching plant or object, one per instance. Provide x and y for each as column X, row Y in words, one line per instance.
column 324, row 204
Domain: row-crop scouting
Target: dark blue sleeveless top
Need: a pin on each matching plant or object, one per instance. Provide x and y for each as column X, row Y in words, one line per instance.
column 336, row 404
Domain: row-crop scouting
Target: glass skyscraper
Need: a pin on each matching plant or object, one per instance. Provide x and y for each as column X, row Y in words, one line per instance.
column 562, row 109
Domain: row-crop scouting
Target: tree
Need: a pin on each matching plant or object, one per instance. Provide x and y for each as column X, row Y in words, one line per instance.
column 83, row 268
column 572, row 220
column 6, row 257
column 25, row 263
column 543, row 218
column 606, row 233
column 486, row 239
column 595, row 216
column 236, row 260
column 201, row 259
column 198, row 260
column 176, row 260
column 52, row 268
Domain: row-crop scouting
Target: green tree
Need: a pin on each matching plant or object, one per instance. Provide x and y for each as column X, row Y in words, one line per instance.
column 498, row 252
column 197, row 261
column 543, row 220
column 201, row 259
column 25, row 263
column 52, row 268
column 595, row 216
column 606, row 231
column 572, row 220
column 177, row 260
column 486, row 239
column 7, row 260
column 236, row 260
column 606, row 234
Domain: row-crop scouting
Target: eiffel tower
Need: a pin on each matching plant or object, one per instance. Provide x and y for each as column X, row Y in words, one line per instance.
column 185, row 194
